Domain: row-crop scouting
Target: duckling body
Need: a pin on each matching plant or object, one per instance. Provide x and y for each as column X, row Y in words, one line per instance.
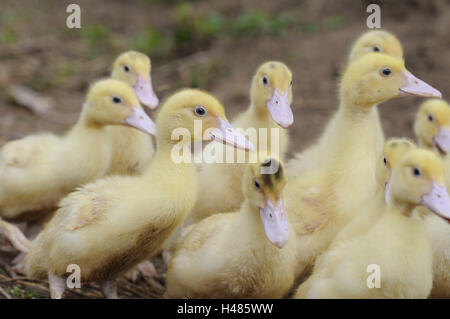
column 397, row 244
column 317, row 154
column 132, row 150
column 231, row 256
column 269, row 111
column 319, row 201
column 393, row 150
column 342, row 272
column 438, row 231
column 90, row 228
column 86, row 218
column 432, row 127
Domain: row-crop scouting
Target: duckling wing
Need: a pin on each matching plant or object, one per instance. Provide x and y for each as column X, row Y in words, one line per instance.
column 90, row 204
column 307, row 203
column 195, row 236
column 27, row 151
column 91, row 209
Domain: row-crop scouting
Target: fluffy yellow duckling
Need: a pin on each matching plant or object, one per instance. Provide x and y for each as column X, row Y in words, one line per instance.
column 432, row 128
column 317, row 154
column 271, row 96
column 245, row 254
column 397, row 245
column 35, row 180
column 132, row 150
column 393, row 150
column 322, row 201
column 109, row 226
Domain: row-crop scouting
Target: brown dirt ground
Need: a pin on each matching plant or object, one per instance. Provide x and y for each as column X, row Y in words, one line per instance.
column 43, row 49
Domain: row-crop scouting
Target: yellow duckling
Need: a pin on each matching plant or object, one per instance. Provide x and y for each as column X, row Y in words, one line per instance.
column 397, row 246
column 109, row 226
column 317, row 154
column 271, row 96
column 132, row 150
column 393, row 150
column 245, row 254
column 35, row 180
column 322, row 201
column 432, row 128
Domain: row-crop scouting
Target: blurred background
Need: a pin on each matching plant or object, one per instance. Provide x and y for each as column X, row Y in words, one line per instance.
column 211, row 44
column 45, row 67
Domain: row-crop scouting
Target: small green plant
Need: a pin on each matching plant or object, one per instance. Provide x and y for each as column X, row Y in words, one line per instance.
column 309, row 28
column 96, row 37
column 15, row 291
column 194, row 31
column 333, row 23
column 250, row 23
column 210, row 25
column 149, row 41
column 259, row 22
column 8, row 36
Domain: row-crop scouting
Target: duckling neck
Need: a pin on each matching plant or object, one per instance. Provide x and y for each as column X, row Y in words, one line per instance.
column 429, row 146
column 164, row 163
column 354, row 109
column 354, row 126
column 401, row 209
column 248, row 229
column 260, row 113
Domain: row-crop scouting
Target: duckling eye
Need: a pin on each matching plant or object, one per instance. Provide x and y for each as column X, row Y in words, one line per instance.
column 384, row 161
column 126, row 68
column 117, row 99
column 258, row 187
column 430, row 118
column 417, row 172
column 290, row 84
column 200, row 111
column 376, row 48
column 265, row 80
column 386, row 72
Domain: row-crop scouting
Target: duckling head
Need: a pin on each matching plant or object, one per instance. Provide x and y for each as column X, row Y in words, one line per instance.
column 432, row 125
column 377, row 77
column 202, row 115
column 271, row 91
column 418, row 179
column 134, row 69
column 376, row 41
column 112, row 102
column 263, row 187
column 393, row 150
